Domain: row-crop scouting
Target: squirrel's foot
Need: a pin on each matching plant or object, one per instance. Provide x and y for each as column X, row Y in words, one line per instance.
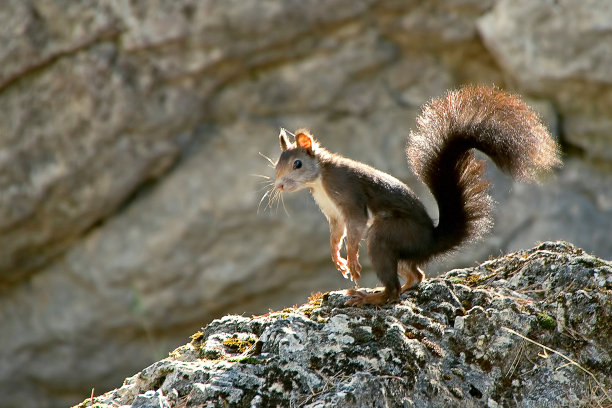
column 361, row 297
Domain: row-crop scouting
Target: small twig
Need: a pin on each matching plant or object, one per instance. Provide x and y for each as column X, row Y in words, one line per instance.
column 568, row 359
column 543, row 354
column 91, row 397
column 516, row 361
column 562, row 366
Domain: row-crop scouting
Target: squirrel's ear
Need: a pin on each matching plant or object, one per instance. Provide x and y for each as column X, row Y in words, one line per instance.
column 304, row 140
column 284, row 140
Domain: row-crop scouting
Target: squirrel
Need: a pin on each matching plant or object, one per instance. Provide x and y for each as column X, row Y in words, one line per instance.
column 360, row 201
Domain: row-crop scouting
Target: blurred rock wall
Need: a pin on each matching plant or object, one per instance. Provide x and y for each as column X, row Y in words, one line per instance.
column 130, row 135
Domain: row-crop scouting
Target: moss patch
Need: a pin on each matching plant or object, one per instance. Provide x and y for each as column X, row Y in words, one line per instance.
column 245, row 360
column 196, row 337
column 546, row 322
column 237, row 345
column 478, row 279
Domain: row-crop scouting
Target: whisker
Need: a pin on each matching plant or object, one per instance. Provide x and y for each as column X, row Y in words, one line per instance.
column 276, row 193
column 260, row 175
column 275, row 198
column 268, row 159
column 265, row 187
column 271, row 199
column 283, row 202
column 261, row 201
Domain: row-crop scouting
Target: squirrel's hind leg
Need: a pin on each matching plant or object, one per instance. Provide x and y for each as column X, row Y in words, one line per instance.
column 385, row 262
column 408, row 270
column 390, row 240
column 411, row 272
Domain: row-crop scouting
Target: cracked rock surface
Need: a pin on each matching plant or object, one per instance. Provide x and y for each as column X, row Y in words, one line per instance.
column 530, row 329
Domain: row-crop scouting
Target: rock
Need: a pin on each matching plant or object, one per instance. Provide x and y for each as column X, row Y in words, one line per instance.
column 487, row 347
column 77, row 140
column 545, row 40
column 129, row 133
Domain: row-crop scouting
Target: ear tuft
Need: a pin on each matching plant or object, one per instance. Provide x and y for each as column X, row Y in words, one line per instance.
column 284, row 139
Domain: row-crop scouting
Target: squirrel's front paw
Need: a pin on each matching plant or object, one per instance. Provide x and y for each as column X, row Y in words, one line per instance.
column 341, row 265
column 355, row 269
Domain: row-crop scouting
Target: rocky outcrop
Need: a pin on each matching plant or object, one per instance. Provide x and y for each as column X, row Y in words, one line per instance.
column 129, row 132
column 530, row 329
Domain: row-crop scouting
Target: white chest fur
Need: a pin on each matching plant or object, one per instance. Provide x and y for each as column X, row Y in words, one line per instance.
column 324, row 201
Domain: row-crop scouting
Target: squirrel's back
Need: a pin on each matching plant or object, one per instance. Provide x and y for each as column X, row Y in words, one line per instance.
column 440, row 152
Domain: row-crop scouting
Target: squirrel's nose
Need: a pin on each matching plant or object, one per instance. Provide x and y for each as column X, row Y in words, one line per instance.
column 280, row 186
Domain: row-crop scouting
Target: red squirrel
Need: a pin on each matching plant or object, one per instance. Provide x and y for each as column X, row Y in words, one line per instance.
column 360, row 201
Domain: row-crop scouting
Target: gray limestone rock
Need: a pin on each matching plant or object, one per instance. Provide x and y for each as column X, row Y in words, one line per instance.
column 560, row 50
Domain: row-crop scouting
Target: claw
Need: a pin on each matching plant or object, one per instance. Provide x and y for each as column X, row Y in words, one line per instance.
column 357, row 297
column 361, row 297
column 341, row 265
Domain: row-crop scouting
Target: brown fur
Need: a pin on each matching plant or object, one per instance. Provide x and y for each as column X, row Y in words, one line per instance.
column 494, row 122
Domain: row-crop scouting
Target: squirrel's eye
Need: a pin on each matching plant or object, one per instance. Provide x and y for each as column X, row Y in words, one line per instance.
column 297, row 164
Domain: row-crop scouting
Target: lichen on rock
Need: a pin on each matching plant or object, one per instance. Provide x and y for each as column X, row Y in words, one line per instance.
column 534, row 332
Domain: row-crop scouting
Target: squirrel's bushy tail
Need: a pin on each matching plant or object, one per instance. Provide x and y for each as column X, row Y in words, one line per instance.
column 440, row 152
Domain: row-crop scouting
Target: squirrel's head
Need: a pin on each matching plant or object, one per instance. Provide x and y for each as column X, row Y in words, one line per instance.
column 298, row 165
